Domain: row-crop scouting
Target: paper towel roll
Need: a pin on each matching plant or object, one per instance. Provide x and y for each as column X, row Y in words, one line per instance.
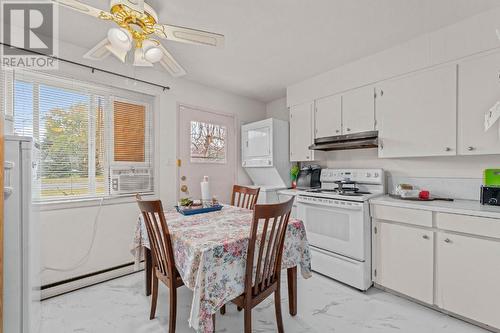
column 205, row 190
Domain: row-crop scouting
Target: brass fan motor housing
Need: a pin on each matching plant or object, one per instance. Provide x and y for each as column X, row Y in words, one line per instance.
column 140, row 25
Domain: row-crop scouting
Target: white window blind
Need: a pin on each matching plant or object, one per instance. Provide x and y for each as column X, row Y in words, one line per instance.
column 94, row 141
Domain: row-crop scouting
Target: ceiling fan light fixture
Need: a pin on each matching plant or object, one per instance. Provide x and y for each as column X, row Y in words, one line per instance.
column 153, row 54
column 120, row 38
column 139, row 59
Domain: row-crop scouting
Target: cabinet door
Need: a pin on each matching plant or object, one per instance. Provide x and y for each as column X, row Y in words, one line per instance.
column 301, row 136
column 416, row 115
column 403, row 260
column 328, row 116
column 258, row 142
column 478, row 91
column 468, row 275
column 358, row 110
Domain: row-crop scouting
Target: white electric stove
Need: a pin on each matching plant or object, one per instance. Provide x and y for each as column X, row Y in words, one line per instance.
column 337, row 221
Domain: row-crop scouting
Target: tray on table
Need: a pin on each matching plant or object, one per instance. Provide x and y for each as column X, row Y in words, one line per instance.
column 201, row 210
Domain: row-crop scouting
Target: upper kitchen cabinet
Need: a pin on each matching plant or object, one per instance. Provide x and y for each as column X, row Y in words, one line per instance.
column 358, row 110
column 328, row 116
column 479, row 90
column 417, row 114
column 301, row 132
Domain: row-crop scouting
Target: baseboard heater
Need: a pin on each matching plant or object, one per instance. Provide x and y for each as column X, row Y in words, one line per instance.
column 86, row 280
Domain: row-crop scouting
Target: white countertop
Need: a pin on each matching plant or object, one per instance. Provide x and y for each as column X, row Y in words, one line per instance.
column 464, row 207
column 289, row 191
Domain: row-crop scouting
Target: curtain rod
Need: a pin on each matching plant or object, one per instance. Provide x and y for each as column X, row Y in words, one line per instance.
column 93, row 69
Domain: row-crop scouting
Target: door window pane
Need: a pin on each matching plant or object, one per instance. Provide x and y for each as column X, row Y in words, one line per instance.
column 208, row 143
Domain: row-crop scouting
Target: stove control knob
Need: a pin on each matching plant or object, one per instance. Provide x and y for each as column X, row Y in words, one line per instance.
column 368, row 175
column 493, row 201
column 376, row 175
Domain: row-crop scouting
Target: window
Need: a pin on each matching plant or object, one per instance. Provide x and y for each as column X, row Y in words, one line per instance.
column 92, row 141
column 208, row 143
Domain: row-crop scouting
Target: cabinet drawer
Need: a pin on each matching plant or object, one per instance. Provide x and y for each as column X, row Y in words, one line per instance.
column 404, row 215
column 474, row 225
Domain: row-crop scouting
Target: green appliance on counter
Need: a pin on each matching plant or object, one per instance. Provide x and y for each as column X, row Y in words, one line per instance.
column 492, row 177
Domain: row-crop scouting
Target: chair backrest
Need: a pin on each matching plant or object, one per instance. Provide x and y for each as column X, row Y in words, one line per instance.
column 244, row 197
column 158, row 234
column 265, row 250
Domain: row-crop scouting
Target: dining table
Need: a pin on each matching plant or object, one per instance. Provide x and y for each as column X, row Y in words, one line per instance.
column 210, row 253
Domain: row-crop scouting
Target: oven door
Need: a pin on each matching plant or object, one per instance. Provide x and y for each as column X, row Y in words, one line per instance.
column 342, row 230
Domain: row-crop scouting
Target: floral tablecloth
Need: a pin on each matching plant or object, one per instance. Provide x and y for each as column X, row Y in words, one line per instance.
column 210, row 254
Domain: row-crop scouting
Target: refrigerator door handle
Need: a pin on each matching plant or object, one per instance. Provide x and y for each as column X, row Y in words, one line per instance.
column 8, row 188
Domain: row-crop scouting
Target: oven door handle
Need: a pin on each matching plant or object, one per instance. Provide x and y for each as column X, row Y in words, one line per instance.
column 346, row 207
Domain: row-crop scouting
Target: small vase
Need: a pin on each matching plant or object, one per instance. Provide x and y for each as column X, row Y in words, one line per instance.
column 294, row 184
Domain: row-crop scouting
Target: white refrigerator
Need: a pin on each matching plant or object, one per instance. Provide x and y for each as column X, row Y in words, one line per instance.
column 21, row 241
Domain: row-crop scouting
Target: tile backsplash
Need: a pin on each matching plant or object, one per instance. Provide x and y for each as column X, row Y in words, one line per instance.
column 457, row 188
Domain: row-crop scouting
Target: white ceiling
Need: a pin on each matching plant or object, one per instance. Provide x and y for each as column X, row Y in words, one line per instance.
column 271, row 44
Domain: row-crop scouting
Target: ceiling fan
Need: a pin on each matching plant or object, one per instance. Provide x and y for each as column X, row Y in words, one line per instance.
column 138, row 28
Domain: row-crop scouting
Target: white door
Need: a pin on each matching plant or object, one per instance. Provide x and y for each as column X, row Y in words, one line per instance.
column 403, row 260
column 358, row 110
column 468, row 275
column 478, row 91
column 258, row 142
column 207, row 147
column 301, row 136
column 416, row 115
column 328, row 116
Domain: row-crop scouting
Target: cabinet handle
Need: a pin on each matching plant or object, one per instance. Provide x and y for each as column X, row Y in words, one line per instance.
column 447, row 240
column 348, row 129
column 337, row 131
column 425, row 237
column 448, row 149
column 381, row 93
column 470, row 148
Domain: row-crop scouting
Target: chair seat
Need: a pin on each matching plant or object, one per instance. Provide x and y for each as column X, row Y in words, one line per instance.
column 256, row 300
column 166, row 279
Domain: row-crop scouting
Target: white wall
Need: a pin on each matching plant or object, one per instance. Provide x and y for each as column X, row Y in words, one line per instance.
column 277, row 109
column 470, row 36
column 67, row 230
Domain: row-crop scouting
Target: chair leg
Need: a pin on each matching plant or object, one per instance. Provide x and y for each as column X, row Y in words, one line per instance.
column 154, row 297
column 223, row 310
column 277, row 307
column 248, row 320
column 173, row 310
column 213, row 321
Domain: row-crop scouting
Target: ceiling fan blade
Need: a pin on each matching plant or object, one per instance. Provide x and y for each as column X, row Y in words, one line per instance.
column 188, row 35
column 98, row 52
column 137, row 5
column 139, row 59
column 120, row 54
column 170, row 64
column 82, row 8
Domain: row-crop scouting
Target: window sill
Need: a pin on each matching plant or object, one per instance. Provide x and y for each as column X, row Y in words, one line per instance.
column 87, row 202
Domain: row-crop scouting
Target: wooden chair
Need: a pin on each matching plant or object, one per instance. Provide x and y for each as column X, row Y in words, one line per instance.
column 244, row 197
column 163, row 256
column 267, row 251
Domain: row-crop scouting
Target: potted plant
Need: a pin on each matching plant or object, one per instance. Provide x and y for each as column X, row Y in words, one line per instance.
column 294, row 173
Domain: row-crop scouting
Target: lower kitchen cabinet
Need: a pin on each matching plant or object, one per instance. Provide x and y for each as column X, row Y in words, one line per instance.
column 404, row 260
column 468, row 277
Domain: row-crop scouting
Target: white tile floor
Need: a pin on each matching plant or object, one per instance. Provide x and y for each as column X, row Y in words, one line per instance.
column 324, row 306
